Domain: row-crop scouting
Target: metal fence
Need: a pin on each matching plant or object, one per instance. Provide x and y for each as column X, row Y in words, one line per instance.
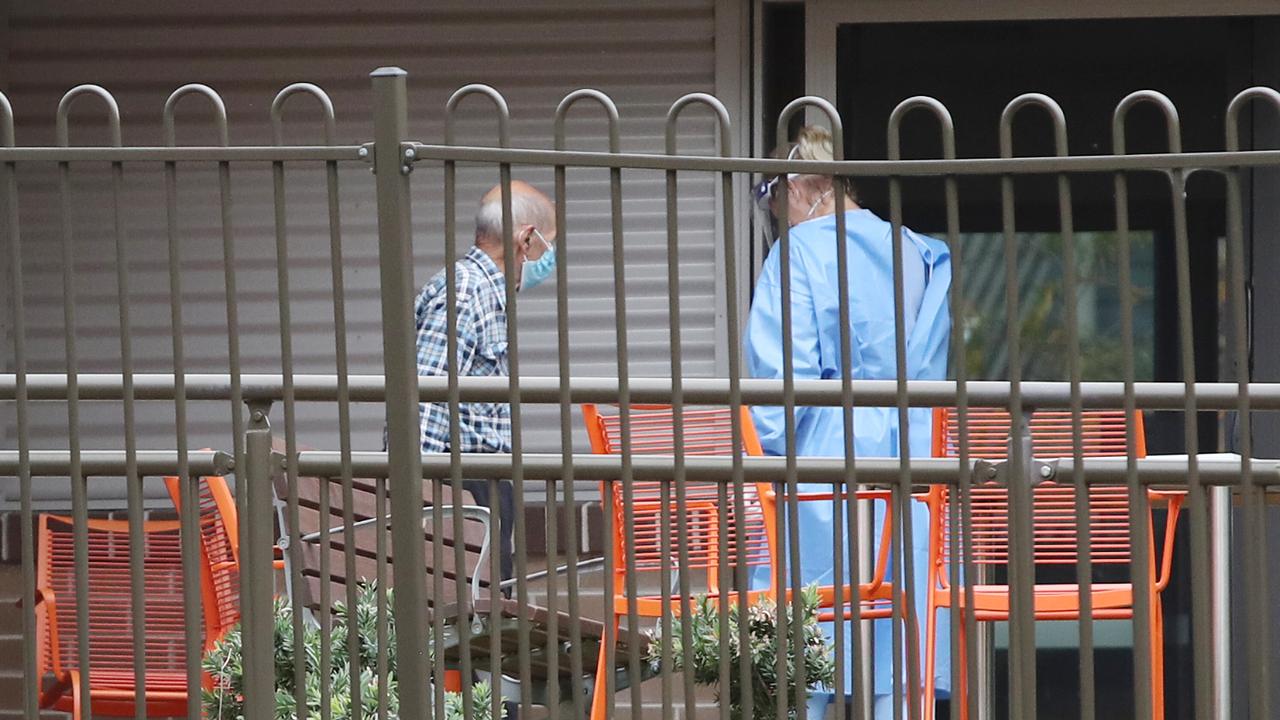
column 549, row 651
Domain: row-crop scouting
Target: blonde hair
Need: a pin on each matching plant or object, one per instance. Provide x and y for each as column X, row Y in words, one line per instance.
column 814, row 142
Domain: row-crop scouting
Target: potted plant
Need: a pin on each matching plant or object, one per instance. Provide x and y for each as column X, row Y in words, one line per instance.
column 703, row 658
column 224, row 664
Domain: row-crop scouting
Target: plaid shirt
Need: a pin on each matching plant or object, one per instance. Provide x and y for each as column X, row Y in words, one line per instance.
column 482, row 351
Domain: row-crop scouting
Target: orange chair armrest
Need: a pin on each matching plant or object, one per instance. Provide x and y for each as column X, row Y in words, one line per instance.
column 886, row 532
column 62, row 682
column 844, row 495
column 45, row 596
column 1174, row 500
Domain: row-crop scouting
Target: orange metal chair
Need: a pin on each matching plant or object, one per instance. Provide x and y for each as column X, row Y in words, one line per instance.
column 220, row 543
column 707, row 431
column 1103, row 434
column 113, row 690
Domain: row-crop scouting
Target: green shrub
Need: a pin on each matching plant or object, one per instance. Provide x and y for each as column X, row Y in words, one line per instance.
column 703, row 657
column 225, row 664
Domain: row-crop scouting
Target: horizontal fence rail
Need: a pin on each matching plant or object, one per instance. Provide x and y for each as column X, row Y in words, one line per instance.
column 1009, row 483
column 549, row 467
column 697, row 391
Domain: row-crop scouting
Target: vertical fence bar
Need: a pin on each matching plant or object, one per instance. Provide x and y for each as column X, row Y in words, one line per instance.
column 1256, row 587
column 290, row 415
column 232, row 300
column 566, row 434
column 396, row 266
column 380, row 553
column 787, row 552
column 679, row 476
column 1022, row 639
column 738, row 477
column 1140, row 558
column 344, row 434
column 1084, row 566
column 462, row 627
column 624, row 406
column 844, row 490
column 497, row 529
column 292, row 517
column 518, row 529
column 903, row 503
column 904, row 562
column 255, row 481
column 1084, row 524
column 795, row 624
column 12, row 229
column 677, row 403
column 189, row 509
column 964, row 636
column 190, row 493
column 606, row 660
column 1145, row 605
column 79, row 489
column 189, row 505
column 947, row 128
column 1196, row 494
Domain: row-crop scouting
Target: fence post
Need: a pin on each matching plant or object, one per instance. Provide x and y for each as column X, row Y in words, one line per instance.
column 395, row 260
column 256, row 578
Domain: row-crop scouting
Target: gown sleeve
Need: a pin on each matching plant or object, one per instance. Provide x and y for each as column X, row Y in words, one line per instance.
column 764, row 343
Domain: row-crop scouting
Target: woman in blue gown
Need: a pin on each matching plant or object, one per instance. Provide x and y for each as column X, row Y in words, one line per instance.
column 816, row 347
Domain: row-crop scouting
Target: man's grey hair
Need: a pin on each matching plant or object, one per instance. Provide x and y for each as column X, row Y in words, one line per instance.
column 526, row 209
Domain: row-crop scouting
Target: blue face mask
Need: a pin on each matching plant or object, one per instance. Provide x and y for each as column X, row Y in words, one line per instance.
column 534, row 272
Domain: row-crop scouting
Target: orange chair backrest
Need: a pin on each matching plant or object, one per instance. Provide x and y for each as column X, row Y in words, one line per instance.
column 220, row 544
column 1102, row 434
column 108, row 597
column 706, row 431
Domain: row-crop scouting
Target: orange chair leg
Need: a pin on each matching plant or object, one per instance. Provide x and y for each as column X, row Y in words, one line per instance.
column 599, row 699
column 453, row 680
column 77, row 709
column 928, row 698
column 960, row 695
column 1157, row 659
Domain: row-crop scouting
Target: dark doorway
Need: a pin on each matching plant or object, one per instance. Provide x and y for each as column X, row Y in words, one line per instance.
column 975, row 69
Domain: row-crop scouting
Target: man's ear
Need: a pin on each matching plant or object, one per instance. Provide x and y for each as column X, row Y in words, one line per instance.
column 524, row 236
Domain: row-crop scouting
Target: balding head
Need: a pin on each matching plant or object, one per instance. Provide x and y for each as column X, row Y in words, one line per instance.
column 529, row 206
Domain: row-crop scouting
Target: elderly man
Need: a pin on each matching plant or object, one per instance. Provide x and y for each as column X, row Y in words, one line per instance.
column 481, row 332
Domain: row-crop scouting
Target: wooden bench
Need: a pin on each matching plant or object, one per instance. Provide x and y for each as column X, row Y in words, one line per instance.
column 480, row 608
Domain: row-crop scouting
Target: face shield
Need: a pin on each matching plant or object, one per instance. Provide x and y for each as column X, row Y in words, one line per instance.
column 762, row 197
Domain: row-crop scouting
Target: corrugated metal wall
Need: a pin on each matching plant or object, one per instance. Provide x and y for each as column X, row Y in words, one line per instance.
column 643, row 54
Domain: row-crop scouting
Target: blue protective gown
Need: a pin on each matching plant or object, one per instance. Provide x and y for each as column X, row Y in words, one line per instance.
column 815, row 333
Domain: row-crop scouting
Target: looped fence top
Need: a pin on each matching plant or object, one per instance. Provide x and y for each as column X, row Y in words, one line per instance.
column 64, row 110
column 606, row 102
column 277, row 110
column 504, row 112
column 219, row 111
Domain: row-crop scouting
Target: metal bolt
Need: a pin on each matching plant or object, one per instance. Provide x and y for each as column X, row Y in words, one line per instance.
column 1046, row 471
column 363, row 153
column 409, row 154
column 406, row 169
column 992, row 472
column 258, row 416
